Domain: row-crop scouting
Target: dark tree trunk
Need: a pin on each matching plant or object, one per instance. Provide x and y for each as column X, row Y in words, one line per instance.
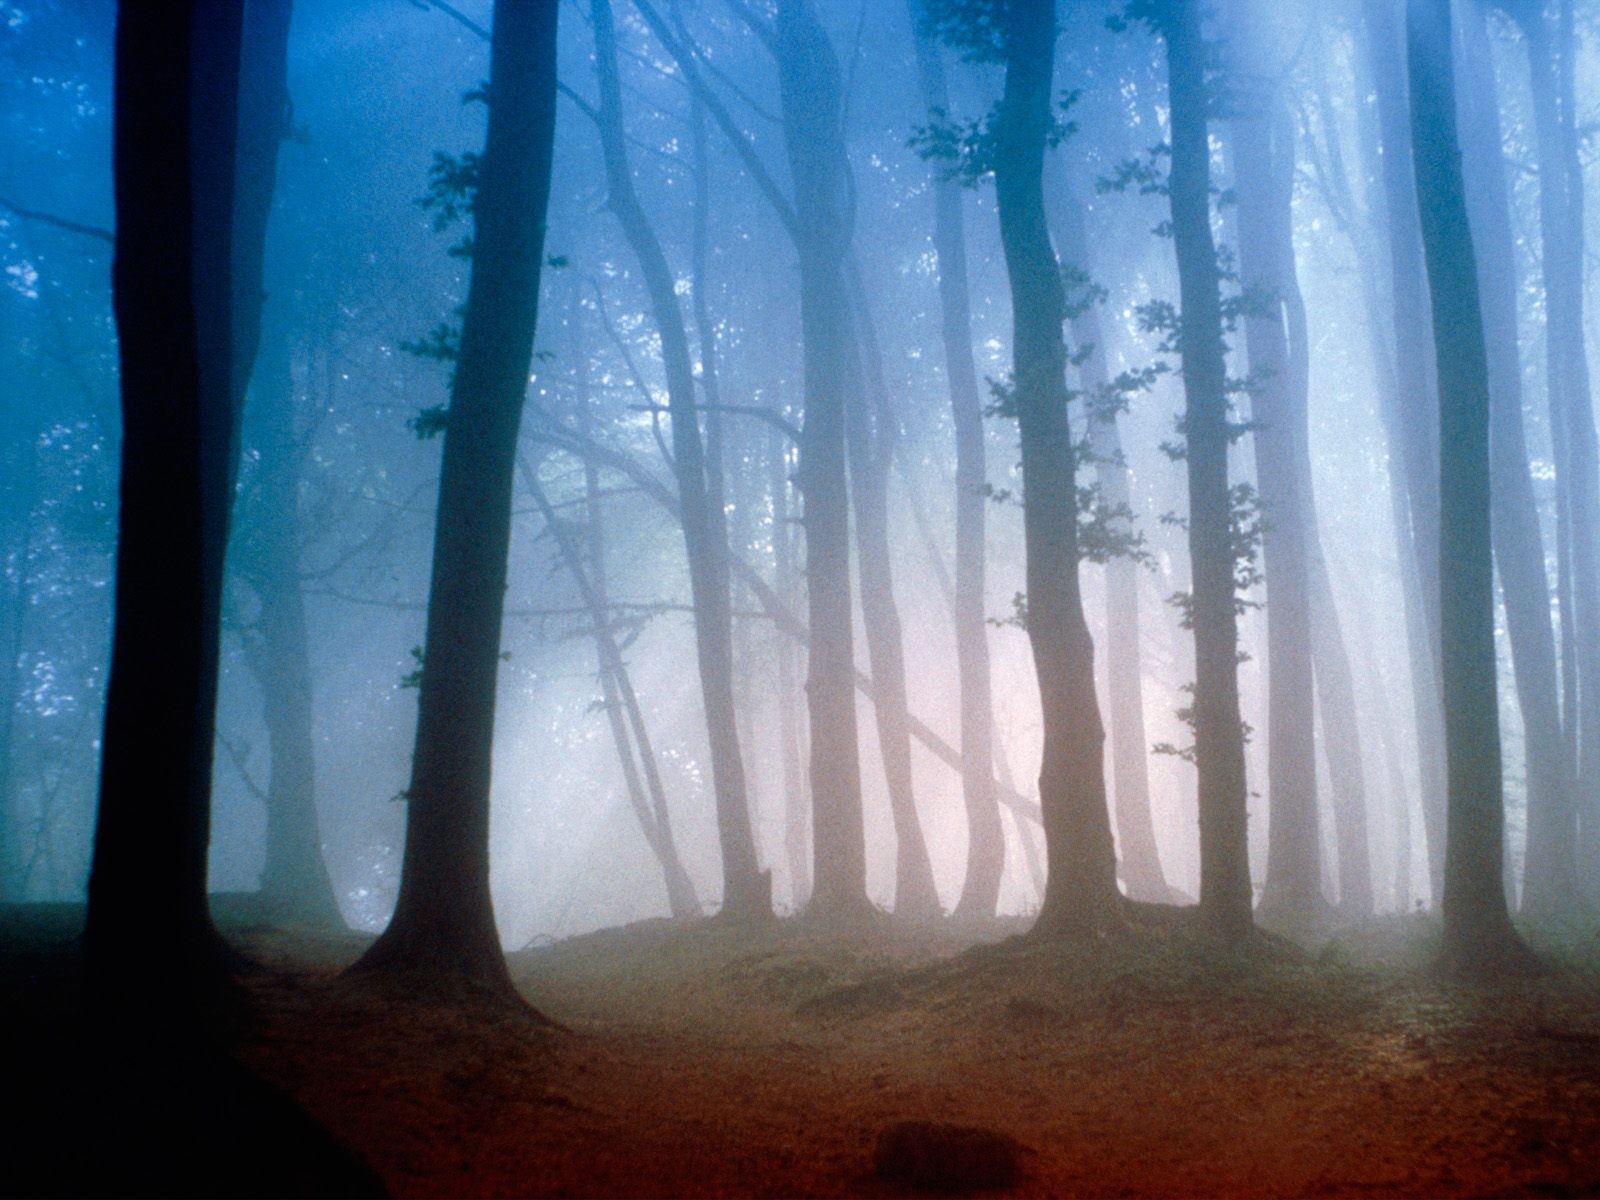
column 1081, row 887
column 1551, row 877
column 746, row 890
column 1416, row 421
column 1140, row 861
column 986, row 843
column 444, row 917
column 808, row 76
column 1479, row 937
column 263, row 125
column 177, row 85
column 1225, row 897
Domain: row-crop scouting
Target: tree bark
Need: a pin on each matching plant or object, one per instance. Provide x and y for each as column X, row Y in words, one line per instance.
column 1225, row 891
column 1479, row 938
column 443, row 921
column 1081, row 893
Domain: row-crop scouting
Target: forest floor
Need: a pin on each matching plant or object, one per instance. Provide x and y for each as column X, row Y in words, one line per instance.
column 709, row 1060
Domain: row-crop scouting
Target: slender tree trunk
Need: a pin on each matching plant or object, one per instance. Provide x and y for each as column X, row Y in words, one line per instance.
column 294, row 878
column 1140, row 863
column 444, row 918
column 294, row 881
column 1263, row 145
column 18, row 493
column 1381, row 327
column 746, row 890
column 1518, row 540
column 622, row 705
column 870, row 437
column 1551, row 878
column 1479, row 937
column 986, row 845
column 1417, row 416
column 177, row 85
column 1081, row 889
column 808, row 76
column 1225, row 893
column 796, row 819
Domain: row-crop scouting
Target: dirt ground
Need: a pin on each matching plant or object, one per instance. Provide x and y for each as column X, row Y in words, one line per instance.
column 713, row 1061
column 707, row 1060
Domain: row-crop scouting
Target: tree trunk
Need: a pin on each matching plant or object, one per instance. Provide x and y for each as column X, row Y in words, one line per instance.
column 1417, row 419
column 870, row 437
column 1551, row 876
column 621, row 704
column 1140, row 863
column 796, row 817
column 986, row 844
column 177, row 86
column 1225, row 894
column 294, row 879
column 808, row 76
column 1479, row 938
column 444, row 918
column 1263, row 157
column 746, row 890
column 1081, row 888
column 1518, row 540
column 18, row 493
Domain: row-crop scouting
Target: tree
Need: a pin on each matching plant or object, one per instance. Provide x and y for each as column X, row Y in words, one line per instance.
column 870, row 435
column 1414, row 423
column 1479, row 937
column 808, row 81
column 443, row 921
column 177, row 86
column 1081, row 887
column 1551, row 878
column 1140, row 860
column 294, row 878
column 747, row 891
column 1263, row 156
column 1218, row 732
column 986, row 846
column 1518, row 540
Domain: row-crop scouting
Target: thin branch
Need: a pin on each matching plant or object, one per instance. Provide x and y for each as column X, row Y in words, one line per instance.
column 44, row 218
column 688, row 59
column 776, row 420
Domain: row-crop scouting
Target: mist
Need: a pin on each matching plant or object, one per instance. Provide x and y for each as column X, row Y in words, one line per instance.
column 909, row 557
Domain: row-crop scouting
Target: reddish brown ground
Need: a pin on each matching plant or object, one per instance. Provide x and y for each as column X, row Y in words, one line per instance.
column 706, row 1061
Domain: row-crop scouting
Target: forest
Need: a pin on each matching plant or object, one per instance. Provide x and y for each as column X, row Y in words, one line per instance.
column 800, row 597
